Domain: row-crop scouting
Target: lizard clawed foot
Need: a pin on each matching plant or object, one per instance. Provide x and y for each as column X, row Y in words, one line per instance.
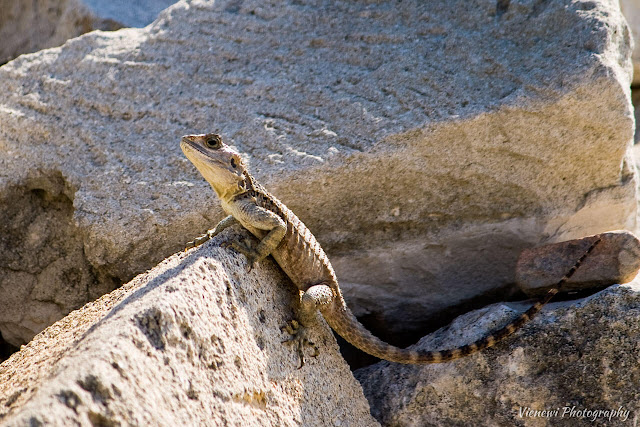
column 299, row 340
column 198, row 241
column 245, row 249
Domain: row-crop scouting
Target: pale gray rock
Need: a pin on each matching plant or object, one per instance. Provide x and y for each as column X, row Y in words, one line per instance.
column 28, row 26
column 195, row 341
column 576, row 356
column 424, row 143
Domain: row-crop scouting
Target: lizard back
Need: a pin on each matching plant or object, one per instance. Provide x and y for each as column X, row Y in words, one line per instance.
column 299, row 254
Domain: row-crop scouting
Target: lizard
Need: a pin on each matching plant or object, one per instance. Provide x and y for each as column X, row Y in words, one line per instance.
column 295, row 249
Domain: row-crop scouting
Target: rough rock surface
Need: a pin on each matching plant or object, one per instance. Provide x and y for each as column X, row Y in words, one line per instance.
column 616, row 259
column 195, row 341
column 580, row 355
column 424, row 143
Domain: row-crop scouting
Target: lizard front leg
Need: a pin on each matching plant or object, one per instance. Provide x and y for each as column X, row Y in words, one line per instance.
column 210, row 234
column 253, row 216
column 314, row 299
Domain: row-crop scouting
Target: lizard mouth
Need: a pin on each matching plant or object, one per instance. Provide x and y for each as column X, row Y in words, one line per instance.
column 191, row 145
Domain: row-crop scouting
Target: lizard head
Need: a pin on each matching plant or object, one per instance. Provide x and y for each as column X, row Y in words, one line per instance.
column 220, row 165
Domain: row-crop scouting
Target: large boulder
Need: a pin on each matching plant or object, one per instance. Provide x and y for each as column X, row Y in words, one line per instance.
column 424, row 143
column 195, row 341
column 575, row 364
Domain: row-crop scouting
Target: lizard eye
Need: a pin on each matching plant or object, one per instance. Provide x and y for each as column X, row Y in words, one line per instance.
column 214, row 142
column 233, row 163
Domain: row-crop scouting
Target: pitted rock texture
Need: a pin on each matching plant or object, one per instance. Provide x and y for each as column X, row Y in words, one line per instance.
column 195, row 341
column 616, row 259
column 581, row 355
column 424, row 143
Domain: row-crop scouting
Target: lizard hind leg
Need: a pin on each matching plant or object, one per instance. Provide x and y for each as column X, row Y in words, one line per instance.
column 315, row 298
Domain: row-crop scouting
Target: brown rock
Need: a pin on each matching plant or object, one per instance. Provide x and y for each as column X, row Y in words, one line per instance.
column 616, row 259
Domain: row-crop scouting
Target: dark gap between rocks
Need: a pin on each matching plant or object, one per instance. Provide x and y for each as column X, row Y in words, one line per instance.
column 6, row 349
column 358, row 359
column 635, row 99
column 44, row 273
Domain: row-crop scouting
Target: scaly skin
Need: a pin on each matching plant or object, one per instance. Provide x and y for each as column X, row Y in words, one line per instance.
column 283, row 236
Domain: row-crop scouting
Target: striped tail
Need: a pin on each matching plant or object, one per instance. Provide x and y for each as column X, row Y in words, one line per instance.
column 347, row 326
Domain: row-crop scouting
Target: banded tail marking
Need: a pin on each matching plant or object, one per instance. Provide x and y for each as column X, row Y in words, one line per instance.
column 363, row 339
column 502, row 333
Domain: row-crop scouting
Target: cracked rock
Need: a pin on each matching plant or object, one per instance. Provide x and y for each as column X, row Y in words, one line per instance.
column 616, row 259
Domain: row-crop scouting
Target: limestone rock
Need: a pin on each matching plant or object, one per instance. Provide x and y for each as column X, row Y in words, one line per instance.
column 424, row 143
column 576, row 356
column 616, row 259
column 195, row 341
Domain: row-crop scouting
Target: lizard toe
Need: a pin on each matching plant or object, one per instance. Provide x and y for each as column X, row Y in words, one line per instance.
column 299, row 339
column 316, row 350
column 197, row 242
column 247, row 251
